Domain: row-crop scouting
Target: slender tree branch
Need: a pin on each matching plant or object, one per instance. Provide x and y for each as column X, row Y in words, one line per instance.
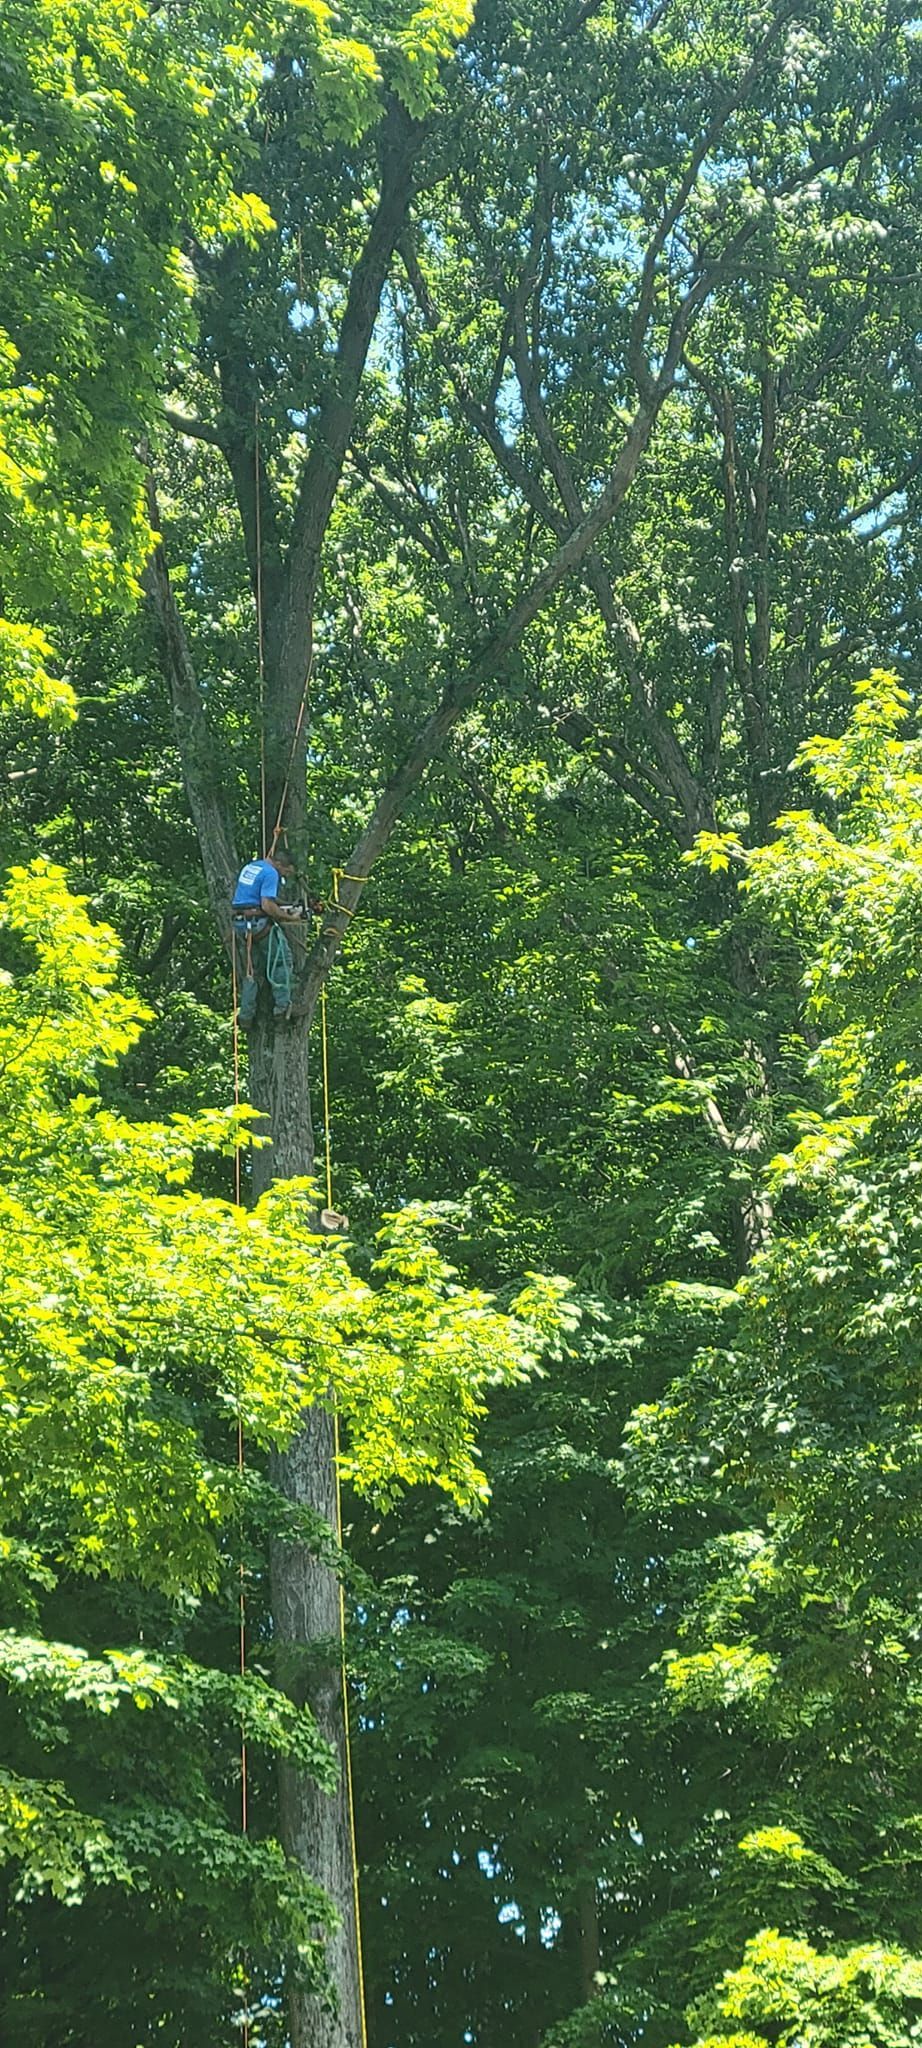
column 889, row 490
column 620, row 627
column 417, row 519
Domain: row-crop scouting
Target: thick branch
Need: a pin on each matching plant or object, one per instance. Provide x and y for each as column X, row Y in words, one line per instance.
column 749, row 651
column 456, row 699
column 194, row 430
column 322, row 471
column 195, row 739
column 241, row 445
column 621, row 629
column 625, row 771
column 459, row 695
column 761, row 631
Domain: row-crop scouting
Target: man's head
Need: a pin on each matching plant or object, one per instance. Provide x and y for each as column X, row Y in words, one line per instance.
column 282, row 860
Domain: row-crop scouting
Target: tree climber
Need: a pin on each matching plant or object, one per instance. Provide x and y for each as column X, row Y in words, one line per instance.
column 264, row 957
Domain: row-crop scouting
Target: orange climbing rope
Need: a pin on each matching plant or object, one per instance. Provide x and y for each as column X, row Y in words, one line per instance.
column 286, row 785
column 241, row 1597
column 347, row 1756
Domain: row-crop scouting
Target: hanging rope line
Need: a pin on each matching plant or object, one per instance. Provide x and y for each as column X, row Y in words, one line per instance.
column 244, row 1761
column 339, row 875
column 260, row 636
column 347, row 1757
column 347, row 1730
column 269, row 845
column 296, row 735
column 241, row 1593
column 325, row 1054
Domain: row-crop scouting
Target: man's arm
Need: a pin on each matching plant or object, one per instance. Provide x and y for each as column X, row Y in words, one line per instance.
column 280, row 911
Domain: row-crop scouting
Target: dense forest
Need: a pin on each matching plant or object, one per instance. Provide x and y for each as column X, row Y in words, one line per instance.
column 461, row 1440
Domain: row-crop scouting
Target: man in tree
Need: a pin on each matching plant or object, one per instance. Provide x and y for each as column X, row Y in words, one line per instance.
column 264, row 955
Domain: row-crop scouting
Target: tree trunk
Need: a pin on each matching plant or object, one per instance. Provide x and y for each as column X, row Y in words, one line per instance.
column 316, row 1829
column 587, row 1906
column 306, row 1602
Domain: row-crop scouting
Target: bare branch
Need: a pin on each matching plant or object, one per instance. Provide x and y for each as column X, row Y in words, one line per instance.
column 681, row 782
column 752, row 1206
column 322, row 471
column 194, row 430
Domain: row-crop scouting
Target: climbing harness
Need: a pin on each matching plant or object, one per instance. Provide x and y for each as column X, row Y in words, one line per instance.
column 277, row 966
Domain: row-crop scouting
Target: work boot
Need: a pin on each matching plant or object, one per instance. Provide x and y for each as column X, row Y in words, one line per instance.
column 249, row 998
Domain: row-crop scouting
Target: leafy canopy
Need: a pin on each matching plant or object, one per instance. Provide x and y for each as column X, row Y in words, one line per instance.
column 139, row 1321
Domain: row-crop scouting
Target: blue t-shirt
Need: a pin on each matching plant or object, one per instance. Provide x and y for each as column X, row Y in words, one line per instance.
column 258, row 879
